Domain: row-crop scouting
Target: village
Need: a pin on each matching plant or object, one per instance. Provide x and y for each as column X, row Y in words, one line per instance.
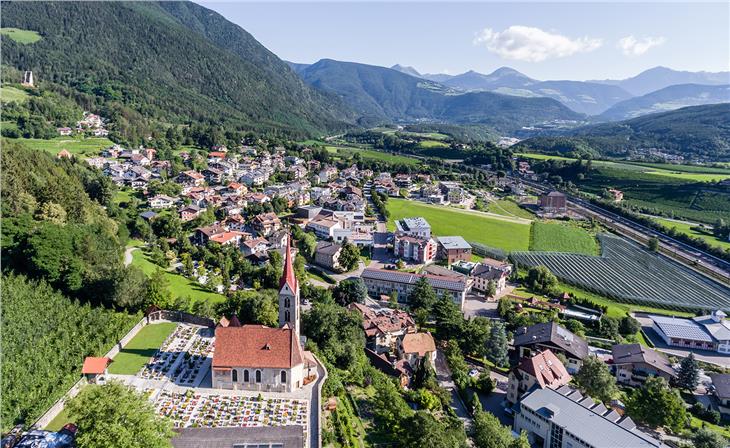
column 217, row 378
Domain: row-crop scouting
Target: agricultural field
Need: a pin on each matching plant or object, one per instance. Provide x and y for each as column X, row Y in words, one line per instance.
column 21, row 36
column 686, row 228
column 562, row 237
column 141, row 348
column 179, row 286
column 432, row 144
column 85, row 147
column 10, row 94
column 504, row 233
column 628, row 273
column 690, row 173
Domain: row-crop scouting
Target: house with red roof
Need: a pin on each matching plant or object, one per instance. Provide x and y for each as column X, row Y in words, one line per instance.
column 543, row 370
column 94, row 369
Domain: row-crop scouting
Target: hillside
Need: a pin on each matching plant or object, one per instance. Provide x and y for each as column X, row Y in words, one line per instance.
column 694, row 132
column 172, row 61
column 666, row 99
column 660, row 77
column 380, row 94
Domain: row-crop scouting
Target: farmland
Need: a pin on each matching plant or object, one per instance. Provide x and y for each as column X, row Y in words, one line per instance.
column 21, row 36
column 625, row 272
column 559, row 237
column 502, row 232
column 370, row 154
column 87, row 147
column 687, row 228
column 508, row 207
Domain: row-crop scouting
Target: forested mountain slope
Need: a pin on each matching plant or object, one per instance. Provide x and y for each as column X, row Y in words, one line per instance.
column 170, row 61
column 668, row 98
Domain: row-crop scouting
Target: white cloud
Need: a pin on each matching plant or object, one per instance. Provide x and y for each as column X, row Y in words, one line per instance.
column 632, row 46
column 524, row 43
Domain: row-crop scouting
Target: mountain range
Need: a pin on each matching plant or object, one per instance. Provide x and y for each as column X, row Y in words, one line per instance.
column 593, row 97
column 381, row 94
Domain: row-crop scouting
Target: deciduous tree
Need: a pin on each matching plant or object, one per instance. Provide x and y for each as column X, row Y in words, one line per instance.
column 596, row 380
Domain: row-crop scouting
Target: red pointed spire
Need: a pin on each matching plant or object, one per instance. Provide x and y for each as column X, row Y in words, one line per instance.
column 288, row 278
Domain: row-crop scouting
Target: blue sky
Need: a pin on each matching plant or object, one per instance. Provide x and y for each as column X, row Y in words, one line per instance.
column 543, row 40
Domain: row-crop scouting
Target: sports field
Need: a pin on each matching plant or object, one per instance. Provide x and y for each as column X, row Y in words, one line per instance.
column 504, row 233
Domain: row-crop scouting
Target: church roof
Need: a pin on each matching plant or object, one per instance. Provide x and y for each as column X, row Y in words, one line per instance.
column 256, row 346
column 288, row 278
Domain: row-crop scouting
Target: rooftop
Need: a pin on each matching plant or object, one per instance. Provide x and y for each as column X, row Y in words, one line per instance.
column 416, row 223
column 546, row 368
column 586, row 420
column 722, row 384
column 453, row 242
column 436, row 281
column 256, row 346
column 636, row 353
column 675, row 327
column 94, row 366
column 550, row 332
column 285, row 436
column 420, row 343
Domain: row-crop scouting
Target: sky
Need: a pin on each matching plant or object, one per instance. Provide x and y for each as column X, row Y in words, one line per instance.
column 578, row 41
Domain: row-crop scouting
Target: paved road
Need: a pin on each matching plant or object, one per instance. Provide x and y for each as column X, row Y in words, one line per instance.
column 443, row 374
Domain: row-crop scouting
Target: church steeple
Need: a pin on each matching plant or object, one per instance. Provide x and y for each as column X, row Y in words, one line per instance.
column 289, row 293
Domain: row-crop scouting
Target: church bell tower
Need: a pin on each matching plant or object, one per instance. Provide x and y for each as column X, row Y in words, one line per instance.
column 289, row 293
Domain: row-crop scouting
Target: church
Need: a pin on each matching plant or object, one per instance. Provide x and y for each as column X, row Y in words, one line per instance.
column 260, row 358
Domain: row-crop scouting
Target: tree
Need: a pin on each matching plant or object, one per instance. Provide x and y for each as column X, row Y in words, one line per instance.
column 489, row 432
column 653, row 244
column 115, row 416
column 629, row 326
column 608, row 328
column 130, row 288
column 349, row 256
column 491, row 289
column 349, row 291
column 497, row 350
column 389, row 407
column 449, row 320
column 157, row 289
column 596, row 380
column 521, row 442
column 252, row 307
column 422, row 295
column 705, row 438
column 445, row 433
column 539, row 278
column 688, row 374
column 504, row 307
column 655, row 404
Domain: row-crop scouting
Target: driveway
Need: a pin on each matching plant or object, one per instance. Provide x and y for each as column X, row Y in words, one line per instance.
column 477, row 305
column 494, row 403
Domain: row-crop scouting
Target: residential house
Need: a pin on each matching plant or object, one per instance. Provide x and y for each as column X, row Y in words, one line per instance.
column 64, row 131
column 229, row 238
column 541, row 370
column 190, row 212
column 266, row 223
column 721, row 391
column 360, row 238
column 634, row 363
column 213, row 175
column 327, row 255
column 417, row 227
column 191, row 177
column 383, row 326
column 323, row 227
column 161, row 201
column 202, row 235
column 551, row 336
column 254, row 246
column 484, row 273
column 412, row 347
column 453, row 249
column 418, row 249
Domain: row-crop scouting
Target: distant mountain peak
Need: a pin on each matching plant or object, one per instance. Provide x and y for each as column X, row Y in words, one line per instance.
column 503, row 71
column 407, row 69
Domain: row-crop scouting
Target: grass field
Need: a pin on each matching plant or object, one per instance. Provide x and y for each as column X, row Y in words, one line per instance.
column 179, row 286
column 686, row 228
column 141, row 348
column 21, row 36
column 12, row 95
column 372, row 155
column 87, row 147
column 433, row 144
column 122, row 196
column 558, row 237
column 446, row 221
column 508, row 207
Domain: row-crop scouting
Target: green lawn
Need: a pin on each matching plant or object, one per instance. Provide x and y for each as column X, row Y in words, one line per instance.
column 179, row 286
column 87, row 147
column 370, row 154
column 61, row 419
column 508, row 207
column 447, row 221
column 141, row 348
column 697, row 423
column 123, row 196
column 686, row 228
column 10, row 94
column 559, row 237
column 21, row 36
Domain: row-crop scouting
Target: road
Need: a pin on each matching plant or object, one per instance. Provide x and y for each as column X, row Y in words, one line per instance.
column 128, row 255
column 443, row 375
